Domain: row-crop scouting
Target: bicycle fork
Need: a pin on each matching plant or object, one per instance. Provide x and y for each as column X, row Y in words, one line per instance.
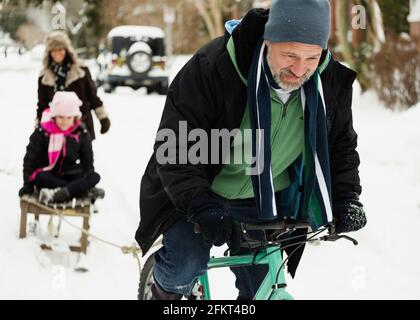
column 274, row 284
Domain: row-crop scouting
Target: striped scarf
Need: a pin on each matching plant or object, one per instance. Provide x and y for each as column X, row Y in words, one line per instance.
column 316, row 201
column 60, row 71
column 57, row 141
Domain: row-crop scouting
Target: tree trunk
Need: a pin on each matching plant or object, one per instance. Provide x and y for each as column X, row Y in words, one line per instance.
column 234, row 11
column 333, row 36
column 342, row 26
column 216, row 12
column 376, row 26
column 414, row 20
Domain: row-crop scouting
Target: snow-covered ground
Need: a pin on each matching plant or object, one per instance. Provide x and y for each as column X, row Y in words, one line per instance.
column 385, row 265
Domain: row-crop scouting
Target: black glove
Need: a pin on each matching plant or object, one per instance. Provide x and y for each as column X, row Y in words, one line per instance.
column 219, row 227
column 350, row 215
column 105, row 125
column 27, row 189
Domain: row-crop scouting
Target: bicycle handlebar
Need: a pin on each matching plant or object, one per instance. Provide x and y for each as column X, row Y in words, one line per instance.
column 277, row 225
column 287, row 225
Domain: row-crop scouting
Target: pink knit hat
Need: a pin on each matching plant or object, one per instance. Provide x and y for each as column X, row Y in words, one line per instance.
column 66, row 104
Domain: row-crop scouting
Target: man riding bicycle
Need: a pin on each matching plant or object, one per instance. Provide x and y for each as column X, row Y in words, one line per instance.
column 271, row 75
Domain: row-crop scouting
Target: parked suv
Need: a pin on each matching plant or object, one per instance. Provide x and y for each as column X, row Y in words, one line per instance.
column 134, row 57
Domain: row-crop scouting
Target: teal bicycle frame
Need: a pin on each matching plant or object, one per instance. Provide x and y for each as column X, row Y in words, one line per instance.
column 271, row 288
column 274, row 285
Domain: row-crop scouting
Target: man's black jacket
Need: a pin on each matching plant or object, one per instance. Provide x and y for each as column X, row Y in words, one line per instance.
column 209, row 94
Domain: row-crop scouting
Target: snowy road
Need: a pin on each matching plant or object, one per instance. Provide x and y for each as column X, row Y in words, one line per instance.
column 385, row 265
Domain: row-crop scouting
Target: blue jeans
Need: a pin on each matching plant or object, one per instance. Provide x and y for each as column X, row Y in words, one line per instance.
column 184, row 256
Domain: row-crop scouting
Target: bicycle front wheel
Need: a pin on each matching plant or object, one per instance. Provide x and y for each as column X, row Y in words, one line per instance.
column 146, row 280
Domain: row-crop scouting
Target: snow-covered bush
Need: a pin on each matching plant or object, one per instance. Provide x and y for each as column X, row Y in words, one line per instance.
column 396, row 72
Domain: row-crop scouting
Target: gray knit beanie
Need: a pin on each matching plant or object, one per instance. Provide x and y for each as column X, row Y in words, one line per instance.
column 305, row 21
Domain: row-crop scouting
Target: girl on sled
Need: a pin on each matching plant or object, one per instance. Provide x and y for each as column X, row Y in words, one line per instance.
column 59, row 156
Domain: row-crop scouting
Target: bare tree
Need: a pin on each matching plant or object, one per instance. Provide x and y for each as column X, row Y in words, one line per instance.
column 211, row 13
column 366, row 36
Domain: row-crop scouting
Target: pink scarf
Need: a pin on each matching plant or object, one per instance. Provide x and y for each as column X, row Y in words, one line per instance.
column 57, row 141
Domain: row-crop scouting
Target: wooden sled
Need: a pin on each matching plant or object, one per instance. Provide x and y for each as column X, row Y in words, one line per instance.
column 77, row 208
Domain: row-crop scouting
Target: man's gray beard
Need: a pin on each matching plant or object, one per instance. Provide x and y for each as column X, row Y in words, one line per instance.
column 287, row 86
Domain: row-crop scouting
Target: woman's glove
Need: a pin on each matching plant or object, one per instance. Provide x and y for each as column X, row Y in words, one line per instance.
column 103, row 118
column 105, row 125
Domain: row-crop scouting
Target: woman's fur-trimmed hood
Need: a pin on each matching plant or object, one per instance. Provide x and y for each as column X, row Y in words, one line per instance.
column 59, row 40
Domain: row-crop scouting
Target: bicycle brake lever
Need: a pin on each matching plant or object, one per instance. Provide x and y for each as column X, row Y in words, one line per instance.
column 355, row 242
column 334, row 237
